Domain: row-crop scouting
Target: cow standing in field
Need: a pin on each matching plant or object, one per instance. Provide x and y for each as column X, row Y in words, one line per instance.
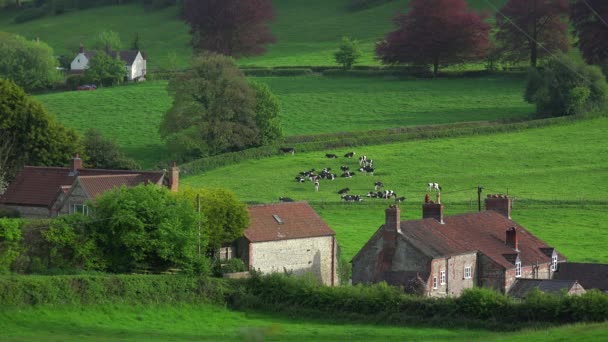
column 362, row 160
column 316, row 184
column 434, row 186
column 288, row 150
column 331, row 156
column 350, row 154
column 378, row 185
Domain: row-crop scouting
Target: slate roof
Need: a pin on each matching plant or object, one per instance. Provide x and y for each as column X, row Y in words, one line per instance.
column 127, row 56
column 590, row 276
column 39, row 186
column 298, row 219
column 522, row 287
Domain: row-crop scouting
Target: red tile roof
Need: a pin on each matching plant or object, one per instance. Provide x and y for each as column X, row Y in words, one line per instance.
column 39, row 186
column 298, row 219
column 96, row 185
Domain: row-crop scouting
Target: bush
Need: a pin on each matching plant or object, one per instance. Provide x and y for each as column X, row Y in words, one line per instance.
column 30, row 14
column 10, row 241
column 228, row 266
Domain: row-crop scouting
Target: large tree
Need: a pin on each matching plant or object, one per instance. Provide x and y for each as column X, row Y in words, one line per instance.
column 106, row 70
column 590, row 21
column 104, row 153
column 230, row 27
column 531, row 29
column 37, row 138
column 437, row 33
column 30, row 64
column 108, row 41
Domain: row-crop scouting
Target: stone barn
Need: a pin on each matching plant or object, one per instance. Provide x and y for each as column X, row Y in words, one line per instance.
column 441, row 256
column 289, row 237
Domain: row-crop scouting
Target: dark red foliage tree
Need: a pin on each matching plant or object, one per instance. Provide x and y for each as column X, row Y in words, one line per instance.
column 590, row 21
column 437, row 33
column 532, row 29
column 231, row 27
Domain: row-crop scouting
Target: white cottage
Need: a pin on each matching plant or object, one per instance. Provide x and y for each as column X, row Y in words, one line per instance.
column 135, row 62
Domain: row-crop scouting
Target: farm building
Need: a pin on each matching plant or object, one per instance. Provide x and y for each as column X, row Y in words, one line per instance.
column 39, row 192
column 135, row 62
column 522, row 287
column 441, row 256
column 590, row 276
column 289, row 237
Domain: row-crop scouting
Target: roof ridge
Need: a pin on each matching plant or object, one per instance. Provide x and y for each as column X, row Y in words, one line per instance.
column 114, row 175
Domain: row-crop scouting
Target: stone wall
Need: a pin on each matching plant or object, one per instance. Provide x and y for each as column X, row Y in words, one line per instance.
column 30, row 212
column 75, row 196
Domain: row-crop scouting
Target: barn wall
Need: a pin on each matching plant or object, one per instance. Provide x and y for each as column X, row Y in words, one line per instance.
column 308, row 255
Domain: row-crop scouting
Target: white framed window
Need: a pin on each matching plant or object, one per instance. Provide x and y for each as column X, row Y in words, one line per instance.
column 518, row 269
column 554, row 263
column 442, row 277
column 79, row 208
column 434, row 282
column 467, row 272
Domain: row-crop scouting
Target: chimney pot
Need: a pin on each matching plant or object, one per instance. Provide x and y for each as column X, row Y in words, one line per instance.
column 511, row 238
column 76, row 163
column 433, row 210
column 174, row 178
column 501, row 204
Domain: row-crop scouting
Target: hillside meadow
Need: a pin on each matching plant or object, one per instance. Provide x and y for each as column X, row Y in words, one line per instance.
column 202, row 322
column 131, row 114
column 556, row 175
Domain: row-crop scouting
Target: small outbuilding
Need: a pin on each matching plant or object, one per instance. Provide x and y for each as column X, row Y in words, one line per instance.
column 589, row 275
column 523, row 287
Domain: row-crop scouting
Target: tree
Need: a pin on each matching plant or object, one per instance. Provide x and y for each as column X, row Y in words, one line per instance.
column 347, row 53
column 437, row 33
column 136, row 45
column 566, row 87
column 213, row 110
column 146, row 227
column 230, row 27
column 589, row 19
column 267, row 110
column 544, row 26
column 37, row 138
column 30, row 64
column 104, row 153
column 108, row 41
column 226, row 218
column 106, row 70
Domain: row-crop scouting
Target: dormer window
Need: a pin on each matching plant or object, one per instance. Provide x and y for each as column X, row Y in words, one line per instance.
column 554, row 262
column 518, row 269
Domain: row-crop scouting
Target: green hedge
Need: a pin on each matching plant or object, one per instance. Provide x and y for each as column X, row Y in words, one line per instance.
column 261, row 72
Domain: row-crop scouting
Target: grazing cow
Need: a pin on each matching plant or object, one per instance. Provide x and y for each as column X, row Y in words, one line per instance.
column 347, row 174
column 349, row 155
column 288, row 150
column 352, row 198
column 378, row 185
column 362, row 160
column 285, row 199
column 369, row 162
column 316, row 185
column 400, row 199
column 371, row 194
column 434, row 186
column 300, row 179
column 343, row 191
column 367, row 169
column 344, row 168
column 388, row 194
column 331, row 156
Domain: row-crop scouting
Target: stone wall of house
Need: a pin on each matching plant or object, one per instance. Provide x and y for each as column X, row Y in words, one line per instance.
column 30, row 212
column 75, row 196
column 364, row 263
column 541, row 271
column 316, row 255
column 490, row 274
column 455, row 281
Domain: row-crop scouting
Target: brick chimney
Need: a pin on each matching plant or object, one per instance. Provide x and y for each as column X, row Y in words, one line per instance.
column 499, row 203
column 431, row 209
column 76, row 163
column 511, row 239
column 174, row 178
column 392, row 227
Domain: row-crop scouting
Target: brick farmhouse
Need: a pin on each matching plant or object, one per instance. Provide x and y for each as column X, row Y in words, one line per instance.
column 441, row 256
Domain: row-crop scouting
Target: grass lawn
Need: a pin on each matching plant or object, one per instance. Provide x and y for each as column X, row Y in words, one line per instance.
column 212, row 323
column 551, row 172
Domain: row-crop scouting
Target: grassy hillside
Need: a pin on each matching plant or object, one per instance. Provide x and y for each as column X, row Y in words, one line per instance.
column 213, row 323
column 552, row 172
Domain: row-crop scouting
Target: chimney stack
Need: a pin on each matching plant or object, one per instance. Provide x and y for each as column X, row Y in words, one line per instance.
column 174, row 178
column 392, row 227
column 500, row 203
column 431, row 209
column 76, row 163
column 511, row 239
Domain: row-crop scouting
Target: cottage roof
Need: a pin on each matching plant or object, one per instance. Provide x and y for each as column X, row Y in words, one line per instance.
column 127, row 56
column 38, row 186
column 283, row 221
column 589, row 275
column 96, row 185
column 523, row 287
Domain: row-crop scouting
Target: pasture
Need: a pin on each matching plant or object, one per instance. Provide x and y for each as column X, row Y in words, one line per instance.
column 131, row 114
column 213, row 323
column 553, row 173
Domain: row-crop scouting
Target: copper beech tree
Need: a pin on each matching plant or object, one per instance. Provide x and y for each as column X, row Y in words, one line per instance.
column 230, row 27
column 529, row 29
column 590, row 21
column 437, row 33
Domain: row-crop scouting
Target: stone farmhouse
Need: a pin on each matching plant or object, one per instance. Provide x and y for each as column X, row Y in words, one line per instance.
column 441, row 256
column 135, row 63
column 42, row 192
column 289, row 237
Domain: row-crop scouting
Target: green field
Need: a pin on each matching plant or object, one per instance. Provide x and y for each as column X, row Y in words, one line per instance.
column 310, row 104
column 212, row 323
column 551, row 172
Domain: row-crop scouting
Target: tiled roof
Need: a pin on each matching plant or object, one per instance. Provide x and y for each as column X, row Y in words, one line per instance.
column 590, row 276
column 96, row 185
column 39, row 186
column 522, row 287
column 283, row 221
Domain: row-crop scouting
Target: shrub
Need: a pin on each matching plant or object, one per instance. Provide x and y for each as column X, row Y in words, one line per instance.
column 30, row 14
column 10, row 239
column 228, row 266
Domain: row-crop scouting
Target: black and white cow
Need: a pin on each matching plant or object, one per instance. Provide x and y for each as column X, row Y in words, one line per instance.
column 350, row 154
column 331, row 156
column 288, row 150
column 343, row 191
column 400, row 199
column 344, row 168
column 378, row 185
column 362, row 160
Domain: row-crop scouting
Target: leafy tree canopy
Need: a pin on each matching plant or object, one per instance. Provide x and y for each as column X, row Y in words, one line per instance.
column 348, row 53
column 104, row 153
column 105, row 70
column 108, row 41
column 589, row 18
column 267, row 109
column 30, row 64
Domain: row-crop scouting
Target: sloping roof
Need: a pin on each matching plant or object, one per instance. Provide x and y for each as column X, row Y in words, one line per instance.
column 283, row 221
column 522, row 287
column 127, row 56
column 38, row 186
column 96, row 185
column 590, row 276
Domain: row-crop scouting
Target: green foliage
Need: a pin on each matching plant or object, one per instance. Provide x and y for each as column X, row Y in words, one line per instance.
column 104, row 153
column 105, row 70
column 146, row 227
column 481, row 303
column 267, row 110
column 566, row 87
column 108, row 41
column 228, row 266
column 30, row 64
column 348, row 53
column 10, row 239
column 30, row 14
